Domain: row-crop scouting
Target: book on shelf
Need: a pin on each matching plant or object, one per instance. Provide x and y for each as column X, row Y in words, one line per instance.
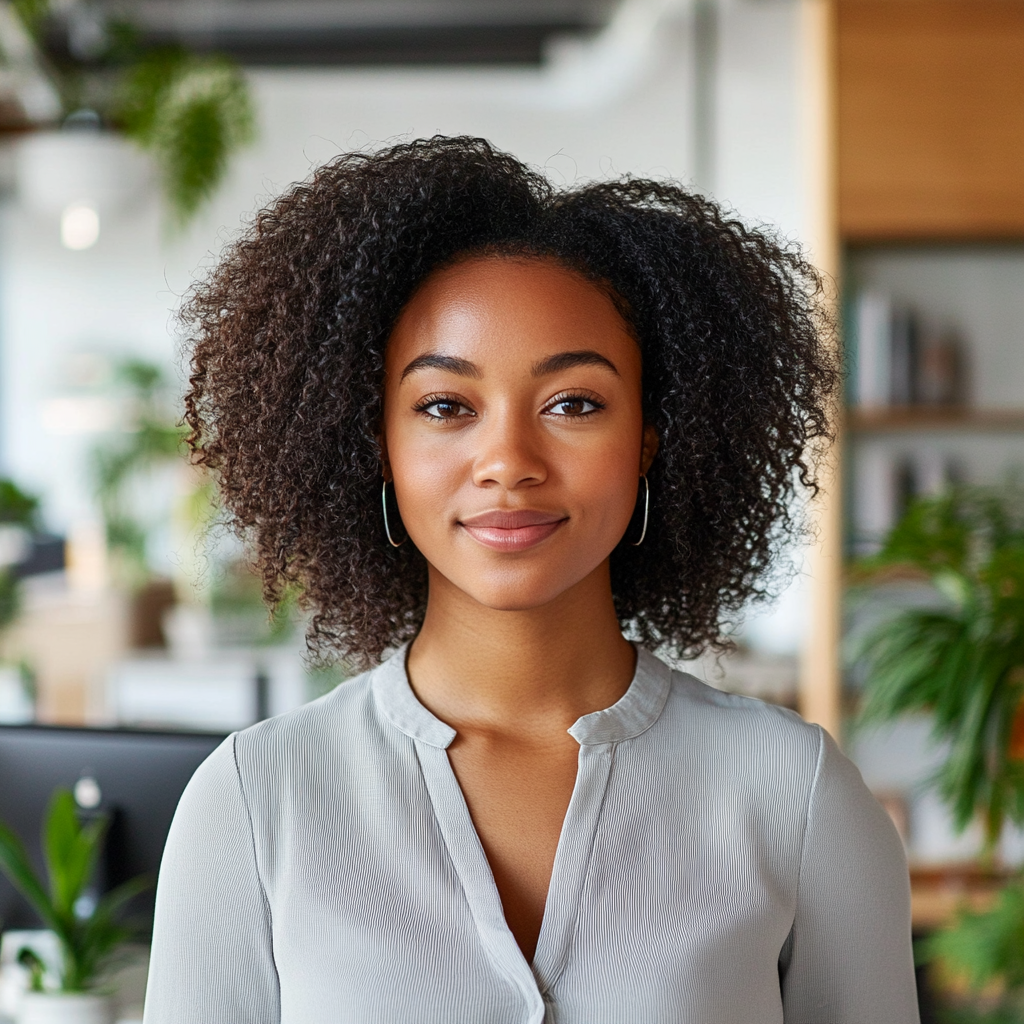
column 901, row 357
column 886, row 480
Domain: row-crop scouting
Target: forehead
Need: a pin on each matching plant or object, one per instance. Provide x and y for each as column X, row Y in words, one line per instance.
column 508, row 309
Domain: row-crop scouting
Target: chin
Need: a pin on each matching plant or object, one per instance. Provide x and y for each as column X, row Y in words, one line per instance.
column 516, row 592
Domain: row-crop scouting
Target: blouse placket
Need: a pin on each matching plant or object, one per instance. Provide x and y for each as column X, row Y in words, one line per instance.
column 598, row 734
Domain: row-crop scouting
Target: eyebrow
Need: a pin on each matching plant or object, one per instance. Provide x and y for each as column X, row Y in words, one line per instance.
column 568, row 360
column 552, row 364
column 436, row 361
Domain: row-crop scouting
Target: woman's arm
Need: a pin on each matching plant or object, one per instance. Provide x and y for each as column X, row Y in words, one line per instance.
column 849, row 959
column 212, row 960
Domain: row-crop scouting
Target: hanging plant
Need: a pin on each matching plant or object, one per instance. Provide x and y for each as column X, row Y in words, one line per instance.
column 190, row 113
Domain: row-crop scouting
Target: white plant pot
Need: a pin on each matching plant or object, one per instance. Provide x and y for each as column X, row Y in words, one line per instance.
column 56, row 169
column 65, row 1008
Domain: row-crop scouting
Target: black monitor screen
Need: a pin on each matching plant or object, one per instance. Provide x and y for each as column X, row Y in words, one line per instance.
column 133, row 776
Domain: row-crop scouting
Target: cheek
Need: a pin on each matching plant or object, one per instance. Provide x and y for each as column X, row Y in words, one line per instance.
column 426, row 475
column 605, row 481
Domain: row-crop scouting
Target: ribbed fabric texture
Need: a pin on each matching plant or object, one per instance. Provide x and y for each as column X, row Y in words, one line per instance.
column 720, row 863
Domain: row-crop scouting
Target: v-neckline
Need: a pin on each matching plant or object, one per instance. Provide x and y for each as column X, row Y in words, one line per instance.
column 598, row 734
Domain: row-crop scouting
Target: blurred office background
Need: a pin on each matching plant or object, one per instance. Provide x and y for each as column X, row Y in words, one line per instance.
column 581, row 88
column 886, row 137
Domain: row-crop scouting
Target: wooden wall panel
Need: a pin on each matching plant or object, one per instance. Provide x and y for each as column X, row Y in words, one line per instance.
column 930, row 119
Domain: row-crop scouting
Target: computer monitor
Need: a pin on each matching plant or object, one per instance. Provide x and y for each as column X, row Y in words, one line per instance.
column 134, row 776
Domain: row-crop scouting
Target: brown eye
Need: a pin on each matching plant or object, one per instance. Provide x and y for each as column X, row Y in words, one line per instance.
column 574, row 405
column 444, row 409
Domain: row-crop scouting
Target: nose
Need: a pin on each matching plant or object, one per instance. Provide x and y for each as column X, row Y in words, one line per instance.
column 510, row 453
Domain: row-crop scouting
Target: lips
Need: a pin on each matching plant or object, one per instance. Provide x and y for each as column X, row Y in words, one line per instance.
column 512, row 530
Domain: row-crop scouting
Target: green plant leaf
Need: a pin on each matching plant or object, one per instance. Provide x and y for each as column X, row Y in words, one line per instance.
column 114, row 901
column 17, row 867
column 962, row 663
column 191, row 113
column 71, row 851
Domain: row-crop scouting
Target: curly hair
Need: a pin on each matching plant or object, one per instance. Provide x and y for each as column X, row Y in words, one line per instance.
column 288, row 334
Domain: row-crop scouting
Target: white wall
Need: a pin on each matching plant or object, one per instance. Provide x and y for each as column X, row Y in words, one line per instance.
column 622, row 105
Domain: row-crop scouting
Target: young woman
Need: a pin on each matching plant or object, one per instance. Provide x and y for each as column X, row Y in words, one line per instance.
column 488, row 427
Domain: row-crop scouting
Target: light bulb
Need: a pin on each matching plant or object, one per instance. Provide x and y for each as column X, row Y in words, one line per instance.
column 79, row 226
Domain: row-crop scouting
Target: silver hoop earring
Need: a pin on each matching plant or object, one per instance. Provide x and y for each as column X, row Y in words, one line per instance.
column 647, row 507
column 387, row 528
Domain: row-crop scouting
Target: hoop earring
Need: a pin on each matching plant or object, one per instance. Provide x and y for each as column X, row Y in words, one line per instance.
column 387, row 528
column 647, row 508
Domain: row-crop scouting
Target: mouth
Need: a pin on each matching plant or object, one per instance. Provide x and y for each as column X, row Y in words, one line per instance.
column 508, row 530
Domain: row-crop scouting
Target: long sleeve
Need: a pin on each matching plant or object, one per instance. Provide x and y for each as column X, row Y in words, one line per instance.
column 850, row 959
column 212, row 960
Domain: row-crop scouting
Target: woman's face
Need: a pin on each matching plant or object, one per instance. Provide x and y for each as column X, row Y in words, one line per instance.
column 513, row 428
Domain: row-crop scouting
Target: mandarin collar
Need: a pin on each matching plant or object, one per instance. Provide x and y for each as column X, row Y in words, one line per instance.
column 633, row 713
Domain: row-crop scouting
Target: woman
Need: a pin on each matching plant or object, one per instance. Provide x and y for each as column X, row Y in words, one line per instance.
column 486, row 426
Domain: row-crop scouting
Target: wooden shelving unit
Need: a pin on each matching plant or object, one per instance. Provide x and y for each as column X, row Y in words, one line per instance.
column 915, row 135
column 930, row 118
column 915, row 418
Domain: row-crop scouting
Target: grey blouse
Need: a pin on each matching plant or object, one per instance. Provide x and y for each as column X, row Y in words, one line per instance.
column 720, row 863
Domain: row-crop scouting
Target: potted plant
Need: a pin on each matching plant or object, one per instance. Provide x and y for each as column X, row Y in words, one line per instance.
column 189, row 113
column 89, row 932
column 960, row 659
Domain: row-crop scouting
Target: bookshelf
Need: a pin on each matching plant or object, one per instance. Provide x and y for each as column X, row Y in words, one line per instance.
column 926, row 141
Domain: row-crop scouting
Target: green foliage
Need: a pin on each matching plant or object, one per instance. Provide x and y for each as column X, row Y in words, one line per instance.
column 16, row 507
column 985, row 947
column 10, row 598
column 71, row 851
column 35, row 967
column 153, row 438
column 191, row 113
column 1008, row 1014
column 964, row 662
column 32, row 14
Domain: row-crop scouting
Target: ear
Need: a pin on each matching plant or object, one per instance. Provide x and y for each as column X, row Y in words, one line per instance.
column 649, row 449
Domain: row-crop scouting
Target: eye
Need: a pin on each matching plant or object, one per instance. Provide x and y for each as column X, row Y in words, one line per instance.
column 573, row 406
column 436, row 407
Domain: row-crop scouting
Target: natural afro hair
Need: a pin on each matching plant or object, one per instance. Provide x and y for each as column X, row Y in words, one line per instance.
column 288, row 333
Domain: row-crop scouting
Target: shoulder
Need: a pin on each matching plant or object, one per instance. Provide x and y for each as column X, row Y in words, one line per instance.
column 340, row 716
column 755, row 756
column 743, row 729
column 763, row 750
column 340, row 727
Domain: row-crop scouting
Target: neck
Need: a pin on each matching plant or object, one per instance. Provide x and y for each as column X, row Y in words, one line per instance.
column 520, row 671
